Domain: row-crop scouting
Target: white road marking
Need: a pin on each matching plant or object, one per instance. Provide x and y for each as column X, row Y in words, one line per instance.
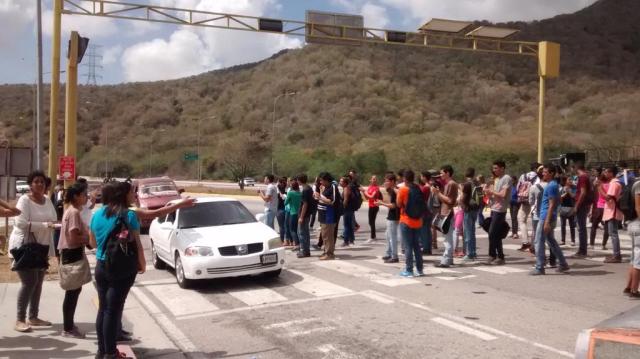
column 312, row 330
column 156, row 281
column 256, row 295
column 332, row 352
column 456, row 278
column 500, row 269
column 513, row 247
column 377, row 296
column 463, row 328
column 367, row 273
column 181, row 301
column 290, row 323
column 316, row 286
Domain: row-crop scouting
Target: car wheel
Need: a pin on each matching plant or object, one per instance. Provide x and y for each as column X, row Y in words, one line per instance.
column 157, row 262
column 183, row 282
column 273, row 274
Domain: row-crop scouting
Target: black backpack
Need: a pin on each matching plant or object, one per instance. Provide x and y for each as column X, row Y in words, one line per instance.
column 120, row 251
column 355, row 198
column 416, row 205
column 627, row 202
column 475, row 198
column 338, row 206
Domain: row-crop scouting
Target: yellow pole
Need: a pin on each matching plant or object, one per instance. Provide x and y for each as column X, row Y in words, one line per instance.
column 71, row 104
column 55, row 89
column 541, row 121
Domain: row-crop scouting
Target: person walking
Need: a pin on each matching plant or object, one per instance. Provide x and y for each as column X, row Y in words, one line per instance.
column 292, row 202
column 35, row 224
column 411, row 204
column 567, row 210
column 597, row 209
column 393, row 216
column 448, row 199
column 372, row 194
column 426, row 236
column 525, row 183
column 514, row 208
column 270, row 198
column 118, row 197
column 470, row 203
column 633, row 278
column 328, row 203
column 611, row 215
column 583, row 202
column 548, row 218
column 499, row 195
column 348, row 202
column 74, row 236
column 307, row 207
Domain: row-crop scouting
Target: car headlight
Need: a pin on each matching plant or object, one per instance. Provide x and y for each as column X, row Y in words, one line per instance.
column 275, row 243
column 198, row 252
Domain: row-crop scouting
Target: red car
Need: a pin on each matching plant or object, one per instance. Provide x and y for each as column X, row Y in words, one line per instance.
column 154, row 193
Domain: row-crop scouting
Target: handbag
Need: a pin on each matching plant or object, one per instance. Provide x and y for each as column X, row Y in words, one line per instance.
column 566, row 212
column 442, row 223
column 31, row 254
column 74, row 272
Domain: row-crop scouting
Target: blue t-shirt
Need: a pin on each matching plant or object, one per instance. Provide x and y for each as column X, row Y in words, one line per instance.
column 101, row 227
column 552, row 191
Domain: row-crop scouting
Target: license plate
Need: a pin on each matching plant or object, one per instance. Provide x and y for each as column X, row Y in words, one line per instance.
column 269, row 258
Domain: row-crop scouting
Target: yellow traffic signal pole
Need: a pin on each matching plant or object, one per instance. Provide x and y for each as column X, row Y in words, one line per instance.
column 548, row 67
column 71, row 103
column 55, row 88
column 541, row 121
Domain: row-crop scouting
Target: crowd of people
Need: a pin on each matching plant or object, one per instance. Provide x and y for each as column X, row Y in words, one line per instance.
column 41, row 232
column 420, row 208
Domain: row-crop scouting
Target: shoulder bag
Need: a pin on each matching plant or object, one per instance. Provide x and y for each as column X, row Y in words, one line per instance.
column 74, row 269
column 31, row 254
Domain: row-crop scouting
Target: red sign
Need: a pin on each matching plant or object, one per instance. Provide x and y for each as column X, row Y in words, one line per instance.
column 67, row 168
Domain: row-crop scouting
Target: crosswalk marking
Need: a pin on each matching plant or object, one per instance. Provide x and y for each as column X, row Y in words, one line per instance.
column 500, row 269
column 463, row 328
column 455, row 278
column 359, row 271
column 180, row 301
column 377, row 296
column 316, row 286
column 256, row 295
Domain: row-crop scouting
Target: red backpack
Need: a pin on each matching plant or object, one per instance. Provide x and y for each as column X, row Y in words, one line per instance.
column 523, row 191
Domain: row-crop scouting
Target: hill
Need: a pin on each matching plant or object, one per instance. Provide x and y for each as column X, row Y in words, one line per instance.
column 369, row 107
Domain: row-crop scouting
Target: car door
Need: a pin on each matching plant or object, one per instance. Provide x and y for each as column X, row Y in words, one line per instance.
column 166, row 230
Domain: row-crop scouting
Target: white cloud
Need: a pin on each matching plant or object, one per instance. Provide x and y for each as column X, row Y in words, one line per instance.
column 111, row 55
column 194, row 50
column 375, row 16
column 15, row 15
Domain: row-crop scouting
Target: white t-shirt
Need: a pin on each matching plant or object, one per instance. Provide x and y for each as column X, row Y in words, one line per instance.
column 36, row 215
column 272, row 191
column 501, row 205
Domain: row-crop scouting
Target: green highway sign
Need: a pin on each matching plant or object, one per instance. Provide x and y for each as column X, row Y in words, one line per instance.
column 190, row 156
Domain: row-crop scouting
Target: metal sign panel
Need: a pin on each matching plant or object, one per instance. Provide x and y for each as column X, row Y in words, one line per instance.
column 329, row 28
column 3, row 161
column 67, row 168
column 7, row 187
column 21, row 161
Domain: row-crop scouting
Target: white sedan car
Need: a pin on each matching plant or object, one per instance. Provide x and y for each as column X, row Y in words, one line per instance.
column 216, row 238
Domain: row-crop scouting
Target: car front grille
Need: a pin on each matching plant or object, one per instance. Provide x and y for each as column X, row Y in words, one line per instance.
column 248, row 267
column 230, row 251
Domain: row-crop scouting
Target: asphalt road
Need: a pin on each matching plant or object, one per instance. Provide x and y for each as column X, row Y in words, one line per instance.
column 358, row 307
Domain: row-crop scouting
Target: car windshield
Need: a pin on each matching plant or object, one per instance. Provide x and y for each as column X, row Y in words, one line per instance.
column 210, row 214
column 158, row 189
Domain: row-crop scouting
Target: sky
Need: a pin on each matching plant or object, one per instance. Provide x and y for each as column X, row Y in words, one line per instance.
column 133, row 51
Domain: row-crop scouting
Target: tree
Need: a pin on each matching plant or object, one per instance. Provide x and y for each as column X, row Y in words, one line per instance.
column 240, row 155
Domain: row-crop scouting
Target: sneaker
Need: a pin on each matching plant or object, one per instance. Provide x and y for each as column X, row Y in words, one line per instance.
column 303, row 255
column 613, row 259
column 326, row 257
column 392, row 260
column 490, row 261
column 634, row 295
column 386, row 257
column 553, row 265
column 573, row 243
column 563, row 243
column 441, row 265
column 73, row 333
column 344, row 244
column 372, row 240
column 627, row 290
column 579, row 255
column 524, row 247
column 405, row 273
column 468, row 258
column 419, row 274
column 122, row 337
column 295, row 249
column 563, row 269
column 22, row 327
column 427, row 252
column 498, row 262
column 537, row 272
column 316, row 247
column 37, row 322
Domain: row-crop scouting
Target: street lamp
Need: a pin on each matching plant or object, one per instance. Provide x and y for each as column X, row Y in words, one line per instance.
column 273, row 124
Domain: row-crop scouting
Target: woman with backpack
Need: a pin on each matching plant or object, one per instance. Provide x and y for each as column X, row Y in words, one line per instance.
column 349, row 214
column 115, row 233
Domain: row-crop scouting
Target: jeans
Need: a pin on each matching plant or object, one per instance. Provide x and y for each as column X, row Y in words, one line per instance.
column 373, row 213
column 269, row 217
column 447, row 255
column 392, row 239
column 304, row 236
column 69, row 307
column 469, row 231
column 411, row 237
column 523, row 218
column 581, row 219
column 426, row 236
column 563, row 228
column 292, row 228
column 596, row 219
column 111, row 295
column 541, row 239
column 613, row 225
column 495, row 240
column 281, row 225
column 515, row 208
column 348, row 231
column 480, row 213
column 29, row 293
column 287, row 230
column 312, row 222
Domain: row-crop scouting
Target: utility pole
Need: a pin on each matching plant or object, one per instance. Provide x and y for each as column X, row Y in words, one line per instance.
column 38, row 134
column 55, row 89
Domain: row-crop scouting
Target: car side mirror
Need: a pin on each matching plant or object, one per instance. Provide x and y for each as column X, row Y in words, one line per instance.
column 180, row 190
column 166, row 225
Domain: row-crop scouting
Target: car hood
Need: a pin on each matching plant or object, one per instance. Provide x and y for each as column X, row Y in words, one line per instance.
column 157, row 201
column 230, row 235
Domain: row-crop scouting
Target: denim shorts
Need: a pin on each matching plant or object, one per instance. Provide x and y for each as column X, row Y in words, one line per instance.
column 634, row 231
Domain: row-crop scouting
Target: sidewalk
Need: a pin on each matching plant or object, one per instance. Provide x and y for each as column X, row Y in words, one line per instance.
column 149, row 339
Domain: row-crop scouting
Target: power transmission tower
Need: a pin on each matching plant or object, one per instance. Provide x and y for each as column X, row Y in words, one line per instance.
column 94, row 60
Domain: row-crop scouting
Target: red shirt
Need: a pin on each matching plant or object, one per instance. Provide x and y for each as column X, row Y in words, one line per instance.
column 583, row 182
column 373, row 192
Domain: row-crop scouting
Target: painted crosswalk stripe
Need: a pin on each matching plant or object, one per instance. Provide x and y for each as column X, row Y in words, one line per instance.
column 463, row 328
column 316, row 286
column 500, row 269
column 256, row 295
column 367, row 273
column 180, row 301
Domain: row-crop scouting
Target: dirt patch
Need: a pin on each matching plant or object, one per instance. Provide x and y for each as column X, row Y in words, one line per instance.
column 7, row 275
